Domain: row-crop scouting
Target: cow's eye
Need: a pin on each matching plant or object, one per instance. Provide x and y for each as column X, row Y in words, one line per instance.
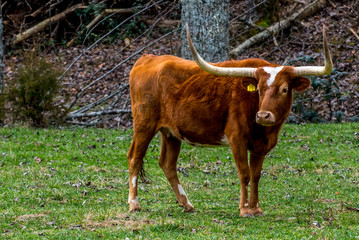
column 284, row 90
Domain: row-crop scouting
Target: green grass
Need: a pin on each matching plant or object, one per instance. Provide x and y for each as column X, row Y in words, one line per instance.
column 73, row 184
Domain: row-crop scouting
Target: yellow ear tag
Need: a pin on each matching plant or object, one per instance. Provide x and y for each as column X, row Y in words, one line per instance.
column 251, row 88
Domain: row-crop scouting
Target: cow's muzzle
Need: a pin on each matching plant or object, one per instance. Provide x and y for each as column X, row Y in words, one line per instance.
column 265, row 118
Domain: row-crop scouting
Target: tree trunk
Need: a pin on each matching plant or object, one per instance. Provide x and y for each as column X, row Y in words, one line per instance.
column 208, row 23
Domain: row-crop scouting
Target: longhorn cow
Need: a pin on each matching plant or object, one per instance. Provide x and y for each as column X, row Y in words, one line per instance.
column 240, row 103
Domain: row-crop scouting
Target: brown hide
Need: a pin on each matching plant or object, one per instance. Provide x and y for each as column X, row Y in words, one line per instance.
column 176, row 97
column 192, row 103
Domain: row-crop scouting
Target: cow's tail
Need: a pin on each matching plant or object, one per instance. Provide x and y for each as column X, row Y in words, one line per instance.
column 142, row 174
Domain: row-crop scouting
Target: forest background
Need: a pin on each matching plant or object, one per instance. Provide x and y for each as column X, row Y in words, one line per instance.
column 97, row 42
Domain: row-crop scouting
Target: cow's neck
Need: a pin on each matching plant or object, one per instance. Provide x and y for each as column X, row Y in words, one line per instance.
column 267, row 137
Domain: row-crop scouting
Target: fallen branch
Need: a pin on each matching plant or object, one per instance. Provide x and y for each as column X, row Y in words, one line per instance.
column 2, row 5
column 99, row 113
column 95, row 20
column 354, row 33
column 37, row 12
column 40, row 26
column 85, row 124
column 110, row 11
column 279, row 26
column 98, row 102
column 166, row 23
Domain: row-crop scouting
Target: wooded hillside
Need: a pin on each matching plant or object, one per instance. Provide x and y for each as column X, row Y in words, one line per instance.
column 109, row 36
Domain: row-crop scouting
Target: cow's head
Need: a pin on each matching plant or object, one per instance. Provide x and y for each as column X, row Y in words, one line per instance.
column 275, row 84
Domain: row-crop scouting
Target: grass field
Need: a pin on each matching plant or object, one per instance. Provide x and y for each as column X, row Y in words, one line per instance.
column 73, row 184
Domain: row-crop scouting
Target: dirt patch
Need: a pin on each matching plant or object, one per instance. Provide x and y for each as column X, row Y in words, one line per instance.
column 324, row 200
column 121, row 220
column 27, row 217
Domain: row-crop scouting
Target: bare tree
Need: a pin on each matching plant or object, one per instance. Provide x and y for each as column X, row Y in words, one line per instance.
column 208, row 22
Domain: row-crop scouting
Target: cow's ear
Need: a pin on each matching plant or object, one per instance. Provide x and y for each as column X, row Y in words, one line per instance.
column 250, row 84
column 300, row 83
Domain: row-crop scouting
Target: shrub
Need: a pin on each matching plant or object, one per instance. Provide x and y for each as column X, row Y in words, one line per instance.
column 33, row 93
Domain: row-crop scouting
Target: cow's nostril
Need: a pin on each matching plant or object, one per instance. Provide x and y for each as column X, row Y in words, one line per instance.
column 263, row 115
column 265, row 118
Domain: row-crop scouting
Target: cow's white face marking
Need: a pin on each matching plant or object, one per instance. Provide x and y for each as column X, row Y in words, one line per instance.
column 134, row 181
column 180, row 189
column 272, row 71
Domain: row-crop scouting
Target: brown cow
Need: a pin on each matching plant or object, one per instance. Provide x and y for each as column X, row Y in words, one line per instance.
column 242, row 104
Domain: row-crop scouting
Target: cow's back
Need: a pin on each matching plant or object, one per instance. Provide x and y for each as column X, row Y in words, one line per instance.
column 153, row 76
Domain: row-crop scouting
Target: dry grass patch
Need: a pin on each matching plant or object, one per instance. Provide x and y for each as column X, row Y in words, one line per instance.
column 122, row 220
column 96, row 169
column 27, row 217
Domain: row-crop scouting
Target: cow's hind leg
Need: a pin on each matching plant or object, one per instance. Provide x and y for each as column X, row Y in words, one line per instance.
column 170, row 149
column 135, row 156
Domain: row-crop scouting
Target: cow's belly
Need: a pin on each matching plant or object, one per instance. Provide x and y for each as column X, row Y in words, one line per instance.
column 205, row 139
column 222, row 142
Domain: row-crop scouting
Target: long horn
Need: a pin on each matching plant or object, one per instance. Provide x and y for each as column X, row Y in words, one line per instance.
column 220, row 71
column 315, row 70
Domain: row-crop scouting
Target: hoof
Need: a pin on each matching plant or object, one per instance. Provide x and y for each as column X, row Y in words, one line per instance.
column 189, row 209
column 135, row 208
column 259, row 214
column 246, row 212
column 251, row 212
column 246, row 215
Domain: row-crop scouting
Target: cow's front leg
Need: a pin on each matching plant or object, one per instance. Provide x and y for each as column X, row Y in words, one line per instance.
column 256, row 162
column 241, row 161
